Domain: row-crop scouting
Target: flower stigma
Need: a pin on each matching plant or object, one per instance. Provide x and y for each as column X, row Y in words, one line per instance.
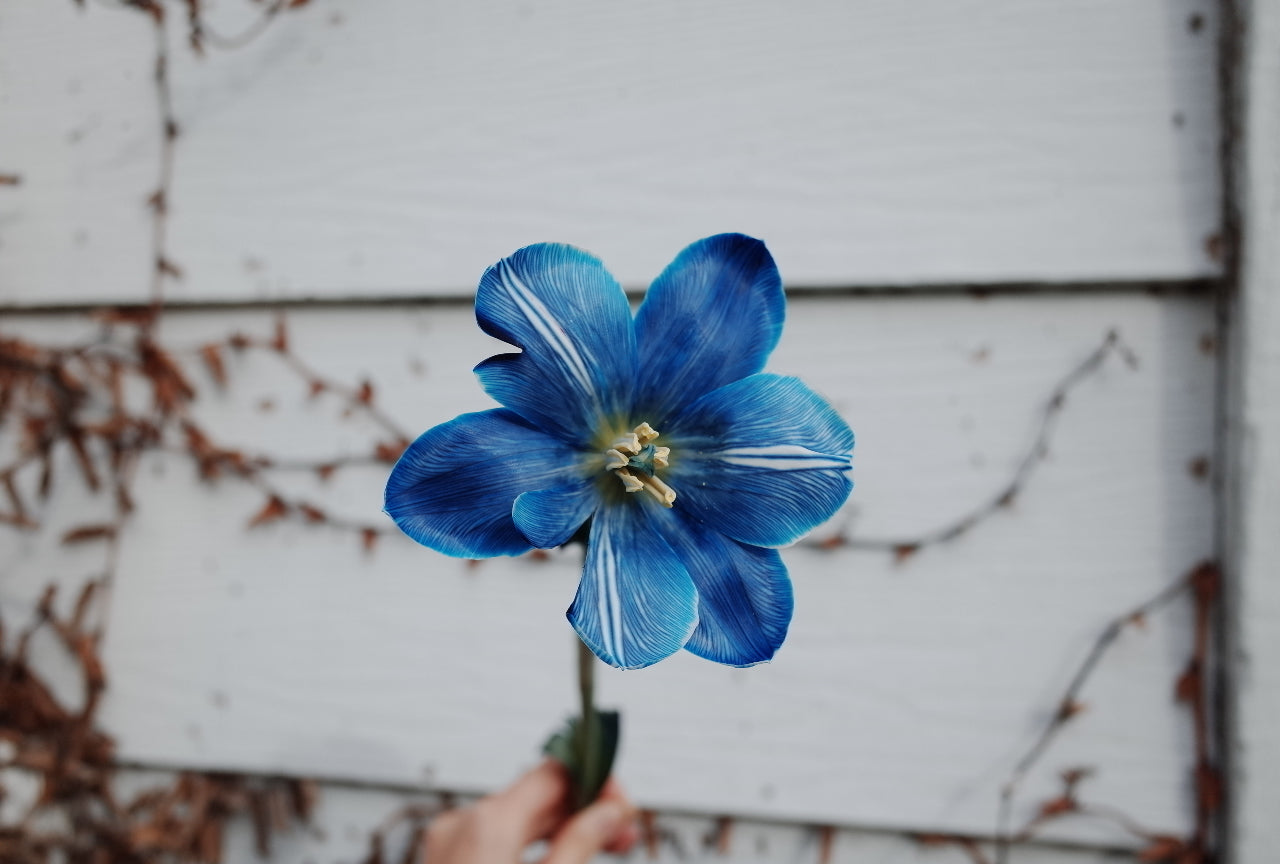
column 635, row 459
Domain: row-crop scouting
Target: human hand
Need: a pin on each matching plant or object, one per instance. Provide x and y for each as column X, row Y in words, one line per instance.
column 497, row 829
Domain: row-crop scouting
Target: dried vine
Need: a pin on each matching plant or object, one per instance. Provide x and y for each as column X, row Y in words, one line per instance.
column 1203, row 583
column 1047, row 420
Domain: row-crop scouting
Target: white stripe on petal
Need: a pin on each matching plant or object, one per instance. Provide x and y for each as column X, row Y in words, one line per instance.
column 615, row 604
column 538, row 315
column 782, row 457
column 608, row 626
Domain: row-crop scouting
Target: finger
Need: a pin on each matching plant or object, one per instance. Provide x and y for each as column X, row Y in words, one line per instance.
column 589, row 832
column 534, row 804
column 621, row 842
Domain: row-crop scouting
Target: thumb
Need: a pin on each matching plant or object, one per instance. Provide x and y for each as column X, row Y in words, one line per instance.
column 587, row 833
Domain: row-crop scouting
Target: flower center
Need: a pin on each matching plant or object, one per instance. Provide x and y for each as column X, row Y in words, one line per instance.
column 634, row 459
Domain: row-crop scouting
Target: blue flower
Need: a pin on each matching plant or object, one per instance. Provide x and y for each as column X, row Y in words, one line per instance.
column 660, row 429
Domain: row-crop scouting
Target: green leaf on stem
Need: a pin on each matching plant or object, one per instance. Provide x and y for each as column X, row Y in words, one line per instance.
column 589, row 758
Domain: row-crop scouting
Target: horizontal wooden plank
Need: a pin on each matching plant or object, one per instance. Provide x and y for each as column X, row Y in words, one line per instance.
column 399, row 148
column 346, row 818
column 906, row 691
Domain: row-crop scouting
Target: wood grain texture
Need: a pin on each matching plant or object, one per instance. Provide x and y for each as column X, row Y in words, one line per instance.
column 399, row 148
column 905, row 692
column 1253, row 539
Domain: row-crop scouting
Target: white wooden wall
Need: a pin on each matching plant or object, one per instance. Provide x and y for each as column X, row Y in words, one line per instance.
column 391, row 151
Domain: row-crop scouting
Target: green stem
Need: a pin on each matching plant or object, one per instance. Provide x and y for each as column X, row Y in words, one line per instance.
column 588, row 727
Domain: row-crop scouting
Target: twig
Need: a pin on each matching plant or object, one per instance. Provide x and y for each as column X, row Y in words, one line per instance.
column 201, row 34
column 162, row 266
column 358, row 398
column 906, row 546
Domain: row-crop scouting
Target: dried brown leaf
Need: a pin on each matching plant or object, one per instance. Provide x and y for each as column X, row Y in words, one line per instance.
column 137, row 316
column 89, row 532
column 151, row 7
column 312, row 514
column 124, row 501
column 168, row 268
column 389, row 451
column 826, row 843
column 15, row 498
column 1205, row 581
column 1162, row 848
column 1189, row 683
column 83, row 602
column 303, row 795
column 280, row 339
column 1209, row 787
column 261, row 815
column 274, row 509
column 75, row 437
column 212, row 356
column 1069, row 709
column 1058, row 806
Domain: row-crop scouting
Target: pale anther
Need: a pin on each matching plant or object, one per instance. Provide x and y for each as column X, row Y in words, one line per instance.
column 660, row 456
column 630, row 481
column 645, row 433
column 629, row 443
column 616, row 460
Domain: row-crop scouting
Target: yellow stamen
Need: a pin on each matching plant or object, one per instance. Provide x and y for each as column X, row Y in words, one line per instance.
column 634, row 459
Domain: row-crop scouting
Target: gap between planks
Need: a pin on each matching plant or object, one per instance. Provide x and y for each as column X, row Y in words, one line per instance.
column 978, row 291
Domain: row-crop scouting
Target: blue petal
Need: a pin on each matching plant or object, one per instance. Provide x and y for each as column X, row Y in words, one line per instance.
column 744, row 593
column 763, row 460
column 453, row 489
column 573, row 324
column 636, row 603
column 549, row 517
column 712, row 317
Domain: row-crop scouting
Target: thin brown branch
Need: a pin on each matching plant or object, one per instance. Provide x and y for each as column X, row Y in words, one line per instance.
column 202, row 34
column 162, row 267
column 358, row 398
column 904, row 547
